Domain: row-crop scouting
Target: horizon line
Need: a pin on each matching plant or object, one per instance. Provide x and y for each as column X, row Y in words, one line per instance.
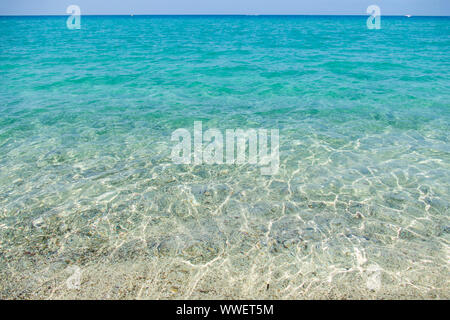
column 215, row 14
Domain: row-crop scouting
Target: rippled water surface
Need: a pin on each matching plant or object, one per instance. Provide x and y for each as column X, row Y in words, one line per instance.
column 358, row 209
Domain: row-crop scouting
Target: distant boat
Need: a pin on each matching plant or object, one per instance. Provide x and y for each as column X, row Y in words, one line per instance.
column 408, row 15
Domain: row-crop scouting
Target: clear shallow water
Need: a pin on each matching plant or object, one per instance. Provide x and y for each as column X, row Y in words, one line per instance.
column 358, row 209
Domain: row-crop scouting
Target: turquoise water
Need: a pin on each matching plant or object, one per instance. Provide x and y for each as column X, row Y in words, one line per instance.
column 358, row 209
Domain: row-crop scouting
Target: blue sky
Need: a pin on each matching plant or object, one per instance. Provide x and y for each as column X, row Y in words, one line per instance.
column 388, row 7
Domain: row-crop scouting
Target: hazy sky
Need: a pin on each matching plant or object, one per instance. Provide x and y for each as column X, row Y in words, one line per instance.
column 388, row 7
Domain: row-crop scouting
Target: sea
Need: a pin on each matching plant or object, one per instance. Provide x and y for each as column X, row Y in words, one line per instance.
column 93, row 206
